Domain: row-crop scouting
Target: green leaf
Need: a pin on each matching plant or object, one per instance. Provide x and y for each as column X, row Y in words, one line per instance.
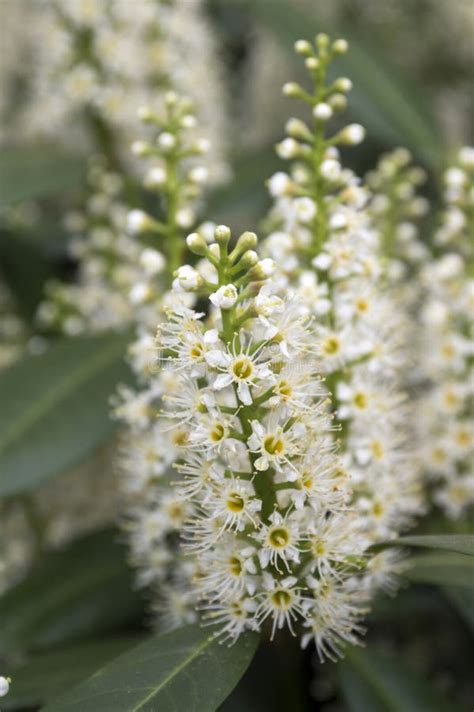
column 25, row 268
column 186, row 669
column 442, row 568
column 47, row 675
column 36, row 171
column 388, row 103
column 373, row 682
column 463, row 600
column 461, row 543
column 83, row 590
column 55, row 409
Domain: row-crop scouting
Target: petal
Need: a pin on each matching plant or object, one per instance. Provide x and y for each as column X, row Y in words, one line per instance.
column 222, row 381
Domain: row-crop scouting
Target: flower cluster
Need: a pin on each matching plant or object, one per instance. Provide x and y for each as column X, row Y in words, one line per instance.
column 103, row 60
column 445, row 417
column 396, row 208
column 125, row 257
column 242, row 462
column 330, row 249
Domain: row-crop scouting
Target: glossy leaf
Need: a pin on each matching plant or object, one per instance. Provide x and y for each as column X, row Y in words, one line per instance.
column 460, row 543
column 83, row 590
column 48, row 674
column 28, row 172
column 55, row 409
column 386, row 102
column 373, row 682
column 186, row 669
column 442, row 568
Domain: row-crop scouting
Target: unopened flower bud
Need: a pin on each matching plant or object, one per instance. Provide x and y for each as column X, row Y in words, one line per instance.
column 279, row 184
column 292, row 89
column 222, row 234
column 197, row 244
column 225, row 297
column 140, row 293
column 342, row 84
column 312, row 63
column 298, row 129
column 185, row 217
column 188, row 121
column 340, row 46
column 138, row 221
column 155, row 178
column 322, row 40
column 247, row 241
column 351, row 135
column 215, row 250
column 166, row 141
column 248, row 259
column 337, row 102
column 152, row 261
column 466, row 156
column 263, row 269
column 198, row 174
column 288, row 148
column 303, row 47
column 4, row 686
column 202, row 145
column 322, row 111
column 141, row 148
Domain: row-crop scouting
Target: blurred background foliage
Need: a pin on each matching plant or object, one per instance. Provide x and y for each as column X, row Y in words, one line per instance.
column 411, row 62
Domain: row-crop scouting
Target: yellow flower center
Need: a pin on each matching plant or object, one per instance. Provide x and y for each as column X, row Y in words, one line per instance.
column 331, row 345
column 377, row 449
column 281, row 599
column 273, row 445
column 242, row 368
column 217, row 432
column 279, row 537
column 235, row 502
column 235, row 566
column 360, row 400
column 284, row 389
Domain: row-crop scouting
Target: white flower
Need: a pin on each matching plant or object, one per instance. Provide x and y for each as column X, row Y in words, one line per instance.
column 4, row 686
column 305, row 209
column 279, row 184
column 166, row 141
column 138, row 221
column 225, row 297
column 187, row 278
column 152, row 261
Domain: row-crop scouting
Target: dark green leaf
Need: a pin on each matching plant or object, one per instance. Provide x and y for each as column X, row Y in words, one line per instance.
column 25, row 267
column 47, row 675
column 462, row 599
column 36, row 171
column 180, row 671
column 461, row 543
column 55, row 408
column 442, row 568
column 388, row 104
column 373, row 682
column 83, row 590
